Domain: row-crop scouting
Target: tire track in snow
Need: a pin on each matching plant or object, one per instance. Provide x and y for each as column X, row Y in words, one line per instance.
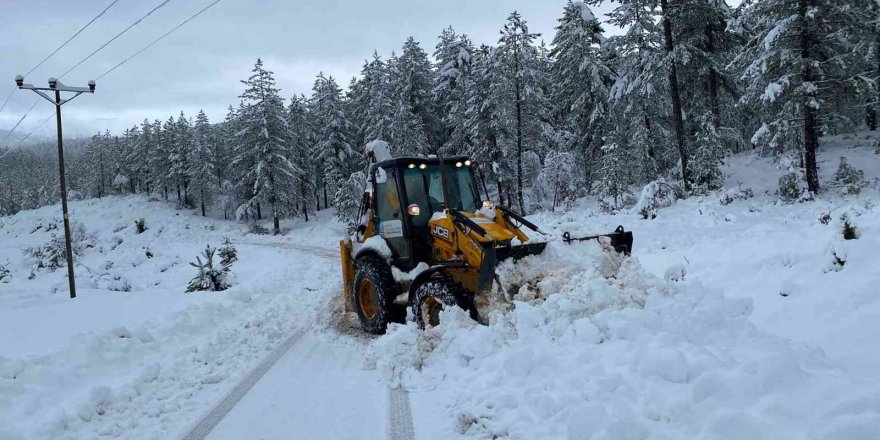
column 210, row 420
column 400, row 423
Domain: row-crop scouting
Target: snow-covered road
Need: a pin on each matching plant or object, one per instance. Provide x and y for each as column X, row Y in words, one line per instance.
column 318, row 389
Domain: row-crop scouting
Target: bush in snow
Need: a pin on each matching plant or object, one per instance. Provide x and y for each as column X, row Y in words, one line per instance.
column 4, row 274
column 655, row 195
column 734, row 194
column 52, row 255
column 209, row 278
column 790, row 188
column 851, row 179
column 140, row 225
column 843, row 221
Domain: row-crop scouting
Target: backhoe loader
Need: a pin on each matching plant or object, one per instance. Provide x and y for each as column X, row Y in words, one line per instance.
column 427, row 240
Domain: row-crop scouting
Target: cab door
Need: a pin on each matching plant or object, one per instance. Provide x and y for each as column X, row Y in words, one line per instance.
column 390, row 215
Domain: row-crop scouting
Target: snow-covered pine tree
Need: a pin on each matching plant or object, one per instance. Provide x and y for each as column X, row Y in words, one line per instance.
column 521, row 92
column 98, row 160
column 301, row 152
column 582, row 81
column 451, row 82
column 485, row 121
column 201, row 165
column 612, row 180
column 263, row 142
column 333, row 148
column 799, row 61
column 412, row 119
column 180, row 157
column 707, row 159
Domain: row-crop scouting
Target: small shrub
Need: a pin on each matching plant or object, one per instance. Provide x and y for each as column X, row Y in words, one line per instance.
column 790, row 188
column 825, row 217
column 846, row 225
column 4, row 274
column 140, row 225
column 52, row 255
column 849, row 177
column 209, row 278
column 259, row 230
column 655, row 195
column 734, row 194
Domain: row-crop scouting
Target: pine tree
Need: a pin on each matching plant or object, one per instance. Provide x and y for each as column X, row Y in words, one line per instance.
column 485, row 120
column 521, row 91
column 452, row 80
column 301, row 138
column 334, row 150
column 201, row 167
column 583, row 80
column 412, row 121
column 262, row 147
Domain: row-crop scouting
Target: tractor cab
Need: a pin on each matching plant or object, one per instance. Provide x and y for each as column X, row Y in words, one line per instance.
column 404, row 194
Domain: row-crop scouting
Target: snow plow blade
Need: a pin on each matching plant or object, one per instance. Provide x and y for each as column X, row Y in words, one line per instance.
column 521, row 251
column 621, row 240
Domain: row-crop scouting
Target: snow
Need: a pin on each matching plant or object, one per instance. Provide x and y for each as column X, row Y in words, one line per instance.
column 374, row 243
column 724, row 324
column 379, row 149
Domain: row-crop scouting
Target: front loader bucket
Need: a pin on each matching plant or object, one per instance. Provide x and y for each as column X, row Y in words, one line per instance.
column 517, row 252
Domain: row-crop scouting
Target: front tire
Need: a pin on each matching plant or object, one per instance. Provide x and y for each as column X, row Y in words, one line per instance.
column 433, row 296
column 373, row 293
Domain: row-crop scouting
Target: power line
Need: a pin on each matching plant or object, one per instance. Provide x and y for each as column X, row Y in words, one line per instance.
column 72, row 37
column 9, row 133
column 169, row 32
column 165, row 2
column 7, row 99
column 159, row 39
column 11, row 92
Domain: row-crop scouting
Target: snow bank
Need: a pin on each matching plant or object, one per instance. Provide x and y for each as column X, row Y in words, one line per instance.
column 593, row 362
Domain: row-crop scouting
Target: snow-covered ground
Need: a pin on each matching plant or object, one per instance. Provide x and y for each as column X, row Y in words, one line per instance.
column 730, row 321
column 144, row 363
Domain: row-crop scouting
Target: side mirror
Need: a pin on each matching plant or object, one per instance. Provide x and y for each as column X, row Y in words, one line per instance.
column 413, row 210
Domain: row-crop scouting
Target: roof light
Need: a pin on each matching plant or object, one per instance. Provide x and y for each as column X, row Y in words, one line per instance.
column 458, row 164
column 423, row 166
column 412, row 165
column 467, row 162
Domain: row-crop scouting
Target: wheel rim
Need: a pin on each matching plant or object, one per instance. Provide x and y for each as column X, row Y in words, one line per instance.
column 430, row 311
column 367, row 299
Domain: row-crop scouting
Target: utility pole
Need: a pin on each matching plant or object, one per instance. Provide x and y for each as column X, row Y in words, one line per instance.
column 57, row 87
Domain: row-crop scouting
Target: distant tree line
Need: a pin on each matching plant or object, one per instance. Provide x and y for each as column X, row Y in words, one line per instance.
column 687, row 83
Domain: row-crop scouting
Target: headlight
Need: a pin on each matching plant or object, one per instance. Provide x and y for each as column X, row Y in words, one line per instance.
column 488, row 204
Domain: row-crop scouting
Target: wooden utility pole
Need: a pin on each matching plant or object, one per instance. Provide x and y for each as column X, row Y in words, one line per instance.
column 57, row 87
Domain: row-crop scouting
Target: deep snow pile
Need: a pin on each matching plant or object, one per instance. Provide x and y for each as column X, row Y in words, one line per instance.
column 144, row 361
column 739, row 316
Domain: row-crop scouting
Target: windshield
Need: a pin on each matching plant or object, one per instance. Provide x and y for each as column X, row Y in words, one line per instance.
column 424, row 187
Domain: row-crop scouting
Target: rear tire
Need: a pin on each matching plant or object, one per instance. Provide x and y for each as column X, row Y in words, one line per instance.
column 433, row 296
column 373, row 293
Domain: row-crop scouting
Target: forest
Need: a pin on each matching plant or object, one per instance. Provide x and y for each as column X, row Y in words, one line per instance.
column 548, row 119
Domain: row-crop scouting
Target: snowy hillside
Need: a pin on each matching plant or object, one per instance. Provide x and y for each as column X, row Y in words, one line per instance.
column 738, row 316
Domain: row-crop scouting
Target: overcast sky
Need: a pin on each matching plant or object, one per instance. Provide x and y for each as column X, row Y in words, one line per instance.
column 199, row 66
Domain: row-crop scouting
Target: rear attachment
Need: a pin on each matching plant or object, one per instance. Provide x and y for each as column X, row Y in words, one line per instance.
column 621, row 240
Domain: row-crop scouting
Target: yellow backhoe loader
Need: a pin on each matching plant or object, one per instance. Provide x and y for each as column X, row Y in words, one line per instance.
column 426, row 240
